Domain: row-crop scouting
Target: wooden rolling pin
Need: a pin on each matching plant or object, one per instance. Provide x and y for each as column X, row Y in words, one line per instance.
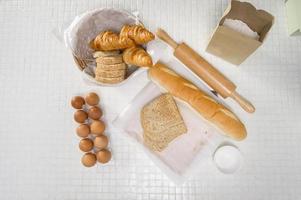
column 214, row 78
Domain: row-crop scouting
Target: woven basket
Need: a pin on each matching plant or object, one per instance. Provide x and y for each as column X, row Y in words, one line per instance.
column 81, row 64
column 82, row 30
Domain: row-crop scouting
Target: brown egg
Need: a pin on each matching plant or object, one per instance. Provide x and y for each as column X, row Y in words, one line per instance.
column 77, row 102
column 80, row 116
column 103, row 156
column 92, row 99
column 94, row 112
column 86, row 145
column 89, row 159
column 101, row 142
column 97, row 127
column 83, row 130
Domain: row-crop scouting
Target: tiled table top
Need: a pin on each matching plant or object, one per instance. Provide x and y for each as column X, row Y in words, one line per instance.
column 39, row 158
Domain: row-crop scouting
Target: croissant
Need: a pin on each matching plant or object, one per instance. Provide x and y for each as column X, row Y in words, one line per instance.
column 109, row 40
column 137, row 56
column 137, row 33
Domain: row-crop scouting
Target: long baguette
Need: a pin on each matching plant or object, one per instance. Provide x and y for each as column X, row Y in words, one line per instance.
column 208, row 107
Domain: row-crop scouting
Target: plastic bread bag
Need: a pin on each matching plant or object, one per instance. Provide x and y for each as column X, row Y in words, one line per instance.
column 86, row 27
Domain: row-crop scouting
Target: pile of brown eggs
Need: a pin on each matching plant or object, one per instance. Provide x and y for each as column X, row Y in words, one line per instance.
column 91, row 129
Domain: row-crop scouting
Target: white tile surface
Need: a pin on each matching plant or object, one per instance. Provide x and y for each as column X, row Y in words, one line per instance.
column 39, row 158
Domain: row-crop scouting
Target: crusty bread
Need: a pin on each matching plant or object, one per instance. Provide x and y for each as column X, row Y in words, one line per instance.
column 137, row 33
column 137, row 56
column 108, row 40
column 209, row 108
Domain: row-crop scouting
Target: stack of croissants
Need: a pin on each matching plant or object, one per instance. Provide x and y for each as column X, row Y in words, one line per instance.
column 128, row 43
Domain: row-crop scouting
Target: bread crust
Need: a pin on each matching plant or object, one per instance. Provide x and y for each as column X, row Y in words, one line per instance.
column 119, row 66
column 110, row 60
column 137, row 56
column 138, row 33
column 108, row 41
column 109, row 80
column 109, row 73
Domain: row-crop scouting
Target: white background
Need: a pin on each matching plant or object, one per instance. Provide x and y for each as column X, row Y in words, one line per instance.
column 39, row 158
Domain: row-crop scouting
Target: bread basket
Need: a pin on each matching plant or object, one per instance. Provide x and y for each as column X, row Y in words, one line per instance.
column 86, row 27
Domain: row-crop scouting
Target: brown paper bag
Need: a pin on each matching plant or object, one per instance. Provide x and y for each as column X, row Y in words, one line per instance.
column 234, row 46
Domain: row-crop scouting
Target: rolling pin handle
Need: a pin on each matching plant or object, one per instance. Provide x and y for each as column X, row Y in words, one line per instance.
column 166, row 38
column 244, row 103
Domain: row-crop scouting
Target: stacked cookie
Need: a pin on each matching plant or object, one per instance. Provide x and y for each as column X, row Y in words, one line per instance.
column 110, row 67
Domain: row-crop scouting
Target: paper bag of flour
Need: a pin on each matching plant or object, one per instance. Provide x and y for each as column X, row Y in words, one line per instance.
column 241, row 30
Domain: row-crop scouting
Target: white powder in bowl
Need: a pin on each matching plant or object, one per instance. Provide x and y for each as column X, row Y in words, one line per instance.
column 227, row 159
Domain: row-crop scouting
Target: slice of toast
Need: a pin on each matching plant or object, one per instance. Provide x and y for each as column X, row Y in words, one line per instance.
column 161, row 122
column 98, row 54
column 154, row 144
column 110, row 60
column 112, row 80
column 118, row 66
column 109, row 73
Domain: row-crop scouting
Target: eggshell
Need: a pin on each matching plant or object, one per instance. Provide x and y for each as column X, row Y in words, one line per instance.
column 95, row 112
column 97, row 127
column 103, row 156
column 83, row 130
column 101, row 142
column 77, row 102
column 92, row 99
column 86, row 145
column 80, row 116
column 89, row 159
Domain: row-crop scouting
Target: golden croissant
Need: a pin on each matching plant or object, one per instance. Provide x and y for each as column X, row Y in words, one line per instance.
column 137, row 56
column 109, row 40
column 137, row 33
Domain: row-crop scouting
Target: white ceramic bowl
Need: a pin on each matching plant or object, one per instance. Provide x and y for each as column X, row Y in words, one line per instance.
column 228, row 159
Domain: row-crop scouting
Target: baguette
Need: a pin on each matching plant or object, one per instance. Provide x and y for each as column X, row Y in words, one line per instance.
column 205, row 105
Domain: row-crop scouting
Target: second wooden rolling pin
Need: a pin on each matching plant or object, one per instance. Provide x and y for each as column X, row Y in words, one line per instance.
column 214, row 78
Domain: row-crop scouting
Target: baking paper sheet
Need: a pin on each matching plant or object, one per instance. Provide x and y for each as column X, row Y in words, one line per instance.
column 184, row 155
